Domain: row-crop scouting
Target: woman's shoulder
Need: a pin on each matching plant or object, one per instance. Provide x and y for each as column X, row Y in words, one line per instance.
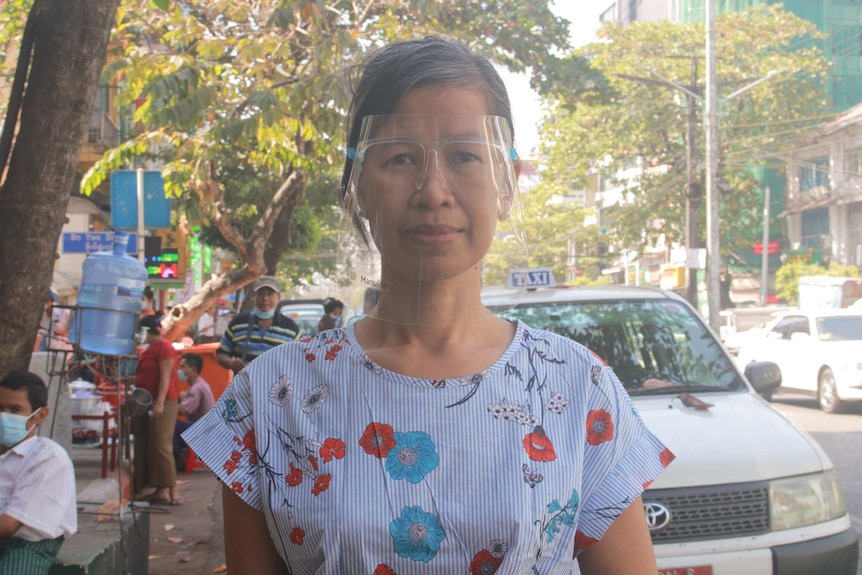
column 331, row 346
column 536, row 338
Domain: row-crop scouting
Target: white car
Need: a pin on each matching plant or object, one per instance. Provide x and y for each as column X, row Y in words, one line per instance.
column 305, row 313
column 819, row 353
column 749, row 493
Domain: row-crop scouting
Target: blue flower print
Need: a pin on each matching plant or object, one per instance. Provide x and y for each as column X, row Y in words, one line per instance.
column 416, row 535
column 413, row 457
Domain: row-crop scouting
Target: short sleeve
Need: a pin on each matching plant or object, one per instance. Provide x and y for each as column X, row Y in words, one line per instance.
column 224, row 439
column 165, row 351
column 44, row 495
column 226, row 344
column 621, row 456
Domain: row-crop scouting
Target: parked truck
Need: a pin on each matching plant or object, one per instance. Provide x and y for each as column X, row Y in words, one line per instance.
column 819, row 292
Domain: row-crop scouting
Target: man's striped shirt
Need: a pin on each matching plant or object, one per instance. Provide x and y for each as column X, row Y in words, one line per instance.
column 246, row 339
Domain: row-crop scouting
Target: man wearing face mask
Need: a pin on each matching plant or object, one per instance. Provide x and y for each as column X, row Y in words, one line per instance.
column 37, row 480
column 194, row 403
column 251, row 333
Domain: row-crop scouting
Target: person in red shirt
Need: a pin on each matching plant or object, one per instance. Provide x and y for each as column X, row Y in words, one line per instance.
column 154, row 432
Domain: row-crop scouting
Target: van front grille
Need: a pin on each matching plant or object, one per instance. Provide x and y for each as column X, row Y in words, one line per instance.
column 711, row 512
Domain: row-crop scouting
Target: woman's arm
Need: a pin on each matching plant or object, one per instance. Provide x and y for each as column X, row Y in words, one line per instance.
column 166, row 371
column 625, row 548
column 248, row 546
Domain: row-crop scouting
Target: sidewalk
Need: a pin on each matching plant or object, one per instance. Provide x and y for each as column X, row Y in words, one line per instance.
column 183, row 540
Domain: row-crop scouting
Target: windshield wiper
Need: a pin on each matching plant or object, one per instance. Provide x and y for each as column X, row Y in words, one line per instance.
column 676, row 388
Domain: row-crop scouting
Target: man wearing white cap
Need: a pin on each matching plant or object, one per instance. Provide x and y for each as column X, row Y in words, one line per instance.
column 251, row 333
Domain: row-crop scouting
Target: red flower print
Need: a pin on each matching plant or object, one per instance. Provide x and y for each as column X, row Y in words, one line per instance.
column 252, row 458
column 235, row 456
column 332, row 447
column 306, row 339
column 336, row 348
column 313, row 460
column 309, row 357
column 647, row 484
column 248, row 441
column 538, row 446
column 297, row 535
column 600, row 427
column 666, row 457
column 484, row 563
column 293, row 478
column 384, row 570
column 230, row 465
column 321, row 484
column 330, row 355
column 329, row 341
column 377, row 439
column 236, row 486
column 583, row 541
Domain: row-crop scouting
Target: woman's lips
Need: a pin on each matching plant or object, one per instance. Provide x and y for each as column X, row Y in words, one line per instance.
column 434, row 234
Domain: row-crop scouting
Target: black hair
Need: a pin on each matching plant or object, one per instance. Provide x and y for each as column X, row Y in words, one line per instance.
column 372, row 296
column 37, row 392
column 331, row 304
column 152, row 323
column 148, row 293
column 386, row 75
column 194, row 360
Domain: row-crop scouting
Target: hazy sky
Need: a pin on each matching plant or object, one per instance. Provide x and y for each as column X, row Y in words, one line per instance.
column 584, row 18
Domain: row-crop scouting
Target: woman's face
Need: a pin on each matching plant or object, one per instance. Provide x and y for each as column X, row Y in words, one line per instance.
column 434, row 227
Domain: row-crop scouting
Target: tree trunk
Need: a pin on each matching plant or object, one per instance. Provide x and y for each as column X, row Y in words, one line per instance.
column 69, row 53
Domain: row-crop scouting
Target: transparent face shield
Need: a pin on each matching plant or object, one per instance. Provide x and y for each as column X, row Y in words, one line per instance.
column 429, row 199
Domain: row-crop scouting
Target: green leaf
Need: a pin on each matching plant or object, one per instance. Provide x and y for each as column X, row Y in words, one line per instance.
column 163, row 4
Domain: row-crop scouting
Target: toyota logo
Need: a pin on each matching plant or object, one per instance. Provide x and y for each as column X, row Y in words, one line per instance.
column 657, row 515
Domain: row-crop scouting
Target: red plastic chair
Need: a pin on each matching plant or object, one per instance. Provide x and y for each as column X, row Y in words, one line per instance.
column 192, row 461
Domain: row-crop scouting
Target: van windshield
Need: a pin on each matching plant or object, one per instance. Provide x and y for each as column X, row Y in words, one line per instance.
column 650, row 344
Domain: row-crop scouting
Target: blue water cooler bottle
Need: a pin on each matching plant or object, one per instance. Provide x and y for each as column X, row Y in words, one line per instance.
column 113, row 282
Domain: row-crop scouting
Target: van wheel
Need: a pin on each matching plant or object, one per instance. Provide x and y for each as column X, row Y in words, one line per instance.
column 827, row 392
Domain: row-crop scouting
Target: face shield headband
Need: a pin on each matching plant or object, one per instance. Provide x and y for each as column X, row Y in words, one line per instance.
column 405, row 159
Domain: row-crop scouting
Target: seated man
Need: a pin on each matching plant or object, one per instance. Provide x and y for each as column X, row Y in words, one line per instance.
column 37, row 481
column 194, row 403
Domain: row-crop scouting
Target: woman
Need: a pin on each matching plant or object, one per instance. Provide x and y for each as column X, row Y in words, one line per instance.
column 431, row 436
column 154, row 458
column 332, row 310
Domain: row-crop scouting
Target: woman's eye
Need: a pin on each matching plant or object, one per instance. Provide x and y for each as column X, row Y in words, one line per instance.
column 464, row 157
column 402, row 160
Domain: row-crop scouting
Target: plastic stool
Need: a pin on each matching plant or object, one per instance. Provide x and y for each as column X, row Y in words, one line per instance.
column 192, row 461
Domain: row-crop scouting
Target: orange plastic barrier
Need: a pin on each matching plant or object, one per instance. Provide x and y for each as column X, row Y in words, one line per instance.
column 217, row 376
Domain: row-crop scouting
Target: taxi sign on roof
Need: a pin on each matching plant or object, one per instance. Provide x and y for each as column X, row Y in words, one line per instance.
column 530, row 278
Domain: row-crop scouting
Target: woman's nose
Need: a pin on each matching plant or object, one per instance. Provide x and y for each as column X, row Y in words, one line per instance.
column 432, row 186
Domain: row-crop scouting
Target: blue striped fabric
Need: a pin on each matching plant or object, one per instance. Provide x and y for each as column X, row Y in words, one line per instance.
column 362, row 470
column 246, row 339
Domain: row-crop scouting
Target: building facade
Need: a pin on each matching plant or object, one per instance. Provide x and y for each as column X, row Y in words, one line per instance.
column 625, row 11
column 824, row 192
column 839, row 20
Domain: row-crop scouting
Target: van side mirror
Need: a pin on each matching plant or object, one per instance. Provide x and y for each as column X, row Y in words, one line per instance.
column 764, row 376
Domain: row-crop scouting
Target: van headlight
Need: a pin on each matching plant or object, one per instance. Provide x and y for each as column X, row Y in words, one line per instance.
column 805, row 500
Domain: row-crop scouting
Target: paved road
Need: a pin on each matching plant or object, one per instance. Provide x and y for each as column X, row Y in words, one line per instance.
column 840, row 435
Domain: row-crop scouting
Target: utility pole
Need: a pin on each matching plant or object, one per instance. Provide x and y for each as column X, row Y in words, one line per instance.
column 764, row 265
column 713, row 262
column 692, row 189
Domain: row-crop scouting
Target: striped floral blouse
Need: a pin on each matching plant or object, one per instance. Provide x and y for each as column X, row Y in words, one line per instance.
column 362, row 470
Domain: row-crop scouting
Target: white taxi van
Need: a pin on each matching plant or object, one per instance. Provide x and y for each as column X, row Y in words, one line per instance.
column 749, row 493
